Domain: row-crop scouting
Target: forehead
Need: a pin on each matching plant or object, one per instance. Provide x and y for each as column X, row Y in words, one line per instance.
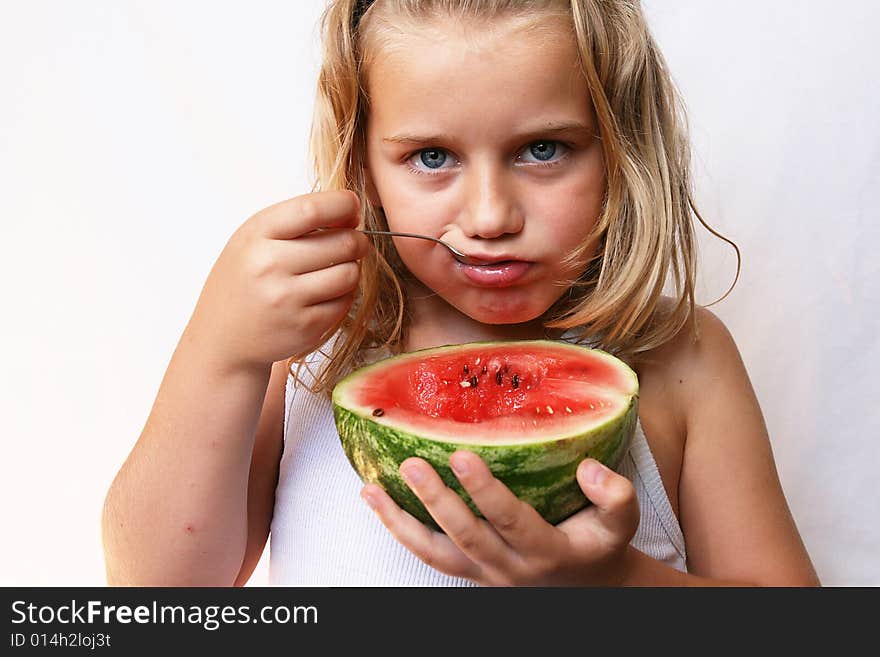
column 480, row 77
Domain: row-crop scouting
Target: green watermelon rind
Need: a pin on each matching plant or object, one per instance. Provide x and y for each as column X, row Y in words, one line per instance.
column 541, row 473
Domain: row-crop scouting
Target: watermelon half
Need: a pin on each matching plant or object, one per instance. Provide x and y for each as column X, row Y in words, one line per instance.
column 532, row 410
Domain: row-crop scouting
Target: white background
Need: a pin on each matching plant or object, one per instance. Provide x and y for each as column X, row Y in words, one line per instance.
column 136, row 136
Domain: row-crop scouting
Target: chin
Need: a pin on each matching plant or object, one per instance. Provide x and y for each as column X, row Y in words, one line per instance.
column 504, row 320
column 502, row 313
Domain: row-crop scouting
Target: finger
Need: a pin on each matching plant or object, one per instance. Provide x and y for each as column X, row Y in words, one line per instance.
column 326, row 284
column 321, row 249
column 473, row 536
column 302, row 214
column 322, row 316
column 432, row 548
column 517, row 522
column 614, row 515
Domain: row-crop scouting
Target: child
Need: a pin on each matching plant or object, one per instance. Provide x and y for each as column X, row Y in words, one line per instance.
column 543, row 136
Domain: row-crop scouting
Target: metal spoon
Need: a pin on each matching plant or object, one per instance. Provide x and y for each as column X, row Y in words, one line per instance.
column 461, row 257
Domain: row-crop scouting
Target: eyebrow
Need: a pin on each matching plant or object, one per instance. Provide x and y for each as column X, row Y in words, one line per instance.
column 548, row 130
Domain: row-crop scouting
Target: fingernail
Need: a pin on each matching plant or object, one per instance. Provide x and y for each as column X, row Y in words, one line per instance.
column 595, row 472
column 412, row 474
column 459, row 465
column 370, row 499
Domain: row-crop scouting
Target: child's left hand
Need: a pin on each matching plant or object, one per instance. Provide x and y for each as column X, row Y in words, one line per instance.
column 514, row 545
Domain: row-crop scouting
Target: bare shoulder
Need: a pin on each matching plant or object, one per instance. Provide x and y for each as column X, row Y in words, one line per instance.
column 731, row 506
column 703, row 371
column 668, row 378
column 702, row 343
column 679, row 370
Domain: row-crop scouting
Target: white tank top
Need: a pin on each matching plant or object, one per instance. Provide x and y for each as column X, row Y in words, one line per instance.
column 324, row 534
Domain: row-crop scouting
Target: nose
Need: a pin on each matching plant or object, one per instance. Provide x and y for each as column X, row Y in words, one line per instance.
column 491, row 209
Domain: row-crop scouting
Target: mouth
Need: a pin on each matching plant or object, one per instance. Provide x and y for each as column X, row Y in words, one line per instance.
column 492, row 263
column 495, row 273
column 484, row 259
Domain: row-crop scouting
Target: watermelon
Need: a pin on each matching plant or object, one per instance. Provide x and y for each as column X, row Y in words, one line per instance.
column 532, row 410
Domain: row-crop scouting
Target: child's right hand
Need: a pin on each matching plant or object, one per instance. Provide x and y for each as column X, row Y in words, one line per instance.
column 279, row 286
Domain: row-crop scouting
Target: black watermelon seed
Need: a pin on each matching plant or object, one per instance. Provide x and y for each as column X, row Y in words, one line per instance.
column 466, row 370
column 498, row 377
column 483, row 371
column 474, row 381
column 378, row 412
column 516, row 380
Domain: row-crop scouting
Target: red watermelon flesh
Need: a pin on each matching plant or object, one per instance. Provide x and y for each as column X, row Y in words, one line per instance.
column 502, row 395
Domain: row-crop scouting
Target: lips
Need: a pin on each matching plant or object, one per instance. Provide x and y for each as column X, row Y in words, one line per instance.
column 492, row 259
column 496, row 274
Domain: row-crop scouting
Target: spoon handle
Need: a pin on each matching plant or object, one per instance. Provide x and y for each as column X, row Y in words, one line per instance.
column 422, row 237
column 396, row 234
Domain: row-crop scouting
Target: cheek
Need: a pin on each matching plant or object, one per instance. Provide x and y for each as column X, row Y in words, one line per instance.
column 423, row 259
column 394, row 192
column 574, row 206
column 572, row 213
column 407, row 213
column 409, row 207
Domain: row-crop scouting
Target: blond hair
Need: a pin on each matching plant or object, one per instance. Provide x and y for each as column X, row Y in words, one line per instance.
column 644, row 230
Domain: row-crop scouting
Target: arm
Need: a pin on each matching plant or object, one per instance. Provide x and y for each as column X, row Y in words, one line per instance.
column 177, row 511
column 265, row 463
column 733, row 511
column 191, row 503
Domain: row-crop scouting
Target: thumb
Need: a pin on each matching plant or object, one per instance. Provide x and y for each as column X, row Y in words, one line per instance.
column 615, row 506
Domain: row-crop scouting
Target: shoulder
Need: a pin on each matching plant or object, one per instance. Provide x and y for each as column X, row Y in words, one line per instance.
column 714, row 390
column 673, row 378
column 732, row 508
column 715, row 380
column 703, row 348
column 710, row 366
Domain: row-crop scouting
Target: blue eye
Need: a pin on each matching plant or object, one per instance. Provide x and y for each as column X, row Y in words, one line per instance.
column 437, row 161
column 547, row 153
column 432, row 158
column 543, row 150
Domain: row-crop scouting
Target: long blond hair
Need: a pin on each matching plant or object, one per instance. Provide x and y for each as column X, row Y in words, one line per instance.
column 644, row 231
